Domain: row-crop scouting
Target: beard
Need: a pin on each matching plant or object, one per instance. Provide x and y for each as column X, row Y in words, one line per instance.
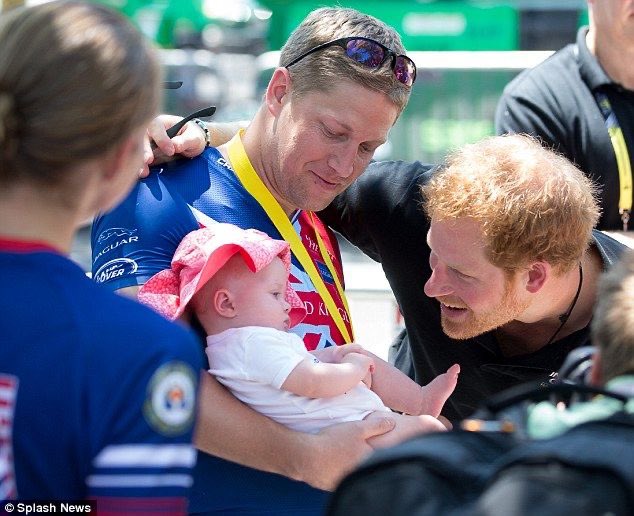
column 476, row 324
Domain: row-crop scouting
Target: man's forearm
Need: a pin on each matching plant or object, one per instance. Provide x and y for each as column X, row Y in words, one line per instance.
column 229, row 429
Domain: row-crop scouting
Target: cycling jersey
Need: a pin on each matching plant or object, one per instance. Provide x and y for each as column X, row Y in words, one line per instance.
column 138, row 238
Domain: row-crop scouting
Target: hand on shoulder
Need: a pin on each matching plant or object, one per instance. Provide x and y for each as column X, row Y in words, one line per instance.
column 160, row 148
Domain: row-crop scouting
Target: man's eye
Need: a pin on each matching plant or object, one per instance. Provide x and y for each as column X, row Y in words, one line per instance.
column 461, row 275
column 331, row 134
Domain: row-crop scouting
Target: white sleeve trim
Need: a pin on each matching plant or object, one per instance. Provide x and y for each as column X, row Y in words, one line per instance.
column 146, row 455
column 139, row 481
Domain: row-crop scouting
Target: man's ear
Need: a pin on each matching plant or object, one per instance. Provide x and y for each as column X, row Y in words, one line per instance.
column 223, row 303
column 277, row 90
column 538, row 274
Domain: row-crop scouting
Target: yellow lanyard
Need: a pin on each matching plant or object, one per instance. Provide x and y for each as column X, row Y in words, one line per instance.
column 622, row 157
column 254, row 185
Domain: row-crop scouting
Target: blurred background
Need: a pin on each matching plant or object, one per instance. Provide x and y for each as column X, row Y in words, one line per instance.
column 466, row 51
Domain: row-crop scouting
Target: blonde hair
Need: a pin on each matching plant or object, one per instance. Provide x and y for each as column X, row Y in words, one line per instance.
column 75, row 79
column 320, row 70
column 613, row 321
column 532, row 203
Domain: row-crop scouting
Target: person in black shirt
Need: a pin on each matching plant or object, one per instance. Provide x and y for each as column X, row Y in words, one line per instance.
column 580, row 101
column 500, row 279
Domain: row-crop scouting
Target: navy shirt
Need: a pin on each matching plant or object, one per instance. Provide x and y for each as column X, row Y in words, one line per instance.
column 97, row 393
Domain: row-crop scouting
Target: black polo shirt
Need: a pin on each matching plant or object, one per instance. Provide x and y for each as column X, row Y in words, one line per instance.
column 381, row 214
column 556, row 101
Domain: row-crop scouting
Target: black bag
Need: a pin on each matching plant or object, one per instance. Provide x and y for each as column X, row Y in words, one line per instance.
column 588, row 470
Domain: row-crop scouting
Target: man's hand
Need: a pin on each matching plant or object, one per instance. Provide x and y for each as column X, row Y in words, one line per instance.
column 188, row 143
column 336, row 450
column 159, row 148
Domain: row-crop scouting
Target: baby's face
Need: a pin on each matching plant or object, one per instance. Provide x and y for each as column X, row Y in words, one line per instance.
column 261, row 297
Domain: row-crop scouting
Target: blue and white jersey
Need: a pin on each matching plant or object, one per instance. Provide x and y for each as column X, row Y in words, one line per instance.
column 97, row 393
column 139, row 237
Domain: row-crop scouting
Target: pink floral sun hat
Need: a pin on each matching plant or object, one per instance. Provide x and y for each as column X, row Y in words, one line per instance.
column 201, row 254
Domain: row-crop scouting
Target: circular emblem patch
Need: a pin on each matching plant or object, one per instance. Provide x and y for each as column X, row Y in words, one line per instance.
column 171, row 399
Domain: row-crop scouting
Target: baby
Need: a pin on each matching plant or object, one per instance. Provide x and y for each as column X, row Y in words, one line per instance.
column 235, row 282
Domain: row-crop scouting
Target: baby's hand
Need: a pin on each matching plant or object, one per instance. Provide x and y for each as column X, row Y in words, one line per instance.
column 335, row 354
column 364, row 363
column 367, row 380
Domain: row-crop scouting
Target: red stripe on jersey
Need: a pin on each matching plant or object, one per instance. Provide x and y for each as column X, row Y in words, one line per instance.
column 24, row 246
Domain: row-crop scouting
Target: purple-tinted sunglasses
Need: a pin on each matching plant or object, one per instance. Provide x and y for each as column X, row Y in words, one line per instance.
column 369, row 53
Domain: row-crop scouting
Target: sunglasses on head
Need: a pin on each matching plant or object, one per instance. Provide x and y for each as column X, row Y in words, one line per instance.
column 369, row 53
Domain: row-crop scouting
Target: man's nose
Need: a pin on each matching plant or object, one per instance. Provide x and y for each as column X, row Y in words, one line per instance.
column 438, row 283
column 343, row 161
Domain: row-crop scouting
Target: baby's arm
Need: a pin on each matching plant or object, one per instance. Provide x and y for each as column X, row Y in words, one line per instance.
column 401, row 393
column 396, row 389
column 324, row 380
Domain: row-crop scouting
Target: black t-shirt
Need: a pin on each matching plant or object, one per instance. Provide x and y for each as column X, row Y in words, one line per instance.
column 381, row 214
column 556, row 101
